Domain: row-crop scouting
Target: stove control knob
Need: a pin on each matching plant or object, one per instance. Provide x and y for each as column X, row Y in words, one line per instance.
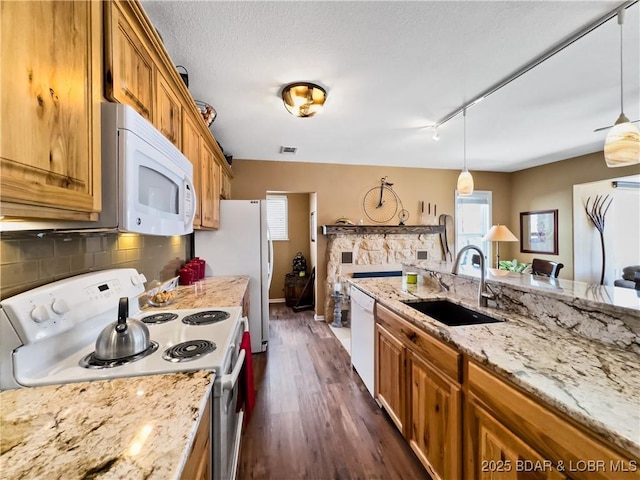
column 40, row 314
column 60, row 306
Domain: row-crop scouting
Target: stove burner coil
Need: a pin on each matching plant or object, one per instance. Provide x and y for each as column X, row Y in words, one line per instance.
column 206, row 318
column 90, row 361
column 187, row 351
column 159, row 318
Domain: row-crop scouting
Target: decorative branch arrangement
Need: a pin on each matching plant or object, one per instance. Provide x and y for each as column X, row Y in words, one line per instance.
column 597, row 213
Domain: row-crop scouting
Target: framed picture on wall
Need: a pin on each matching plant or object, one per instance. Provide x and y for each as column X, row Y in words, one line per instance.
column 313, row 226
column 539, row 232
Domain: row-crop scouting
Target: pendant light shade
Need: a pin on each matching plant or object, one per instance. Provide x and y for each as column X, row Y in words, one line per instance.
column 622, row 145
column 303, row 99
column 465, row 180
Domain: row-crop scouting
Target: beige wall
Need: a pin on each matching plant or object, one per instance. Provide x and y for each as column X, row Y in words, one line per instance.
column 284, row 251
column 340, row 189
column 549, row 187
column 29, row 262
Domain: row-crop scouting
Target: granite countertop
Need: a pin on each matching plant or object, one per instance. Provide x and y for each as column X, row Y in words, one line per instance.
column 594, row 383
column 223, row 291
column 133, row 428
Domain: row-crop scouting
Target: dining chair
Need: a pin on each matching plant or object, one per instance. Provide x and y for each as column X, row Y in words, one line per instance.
column 546, row 268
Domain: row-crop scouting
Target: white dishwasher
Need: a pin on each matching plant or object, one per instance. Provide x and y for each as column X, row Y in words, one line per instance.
column 362, row 336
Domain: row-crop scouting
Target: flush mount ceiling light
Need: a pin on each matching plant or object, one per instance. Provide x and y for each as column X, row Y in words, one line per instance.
column 465, row 180
column 622, row 146
column 303, row 99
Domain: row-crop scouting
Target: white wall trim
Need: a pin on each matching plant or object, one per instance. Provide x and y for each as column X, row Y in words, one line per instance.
column 277, row 300
column 318, row 318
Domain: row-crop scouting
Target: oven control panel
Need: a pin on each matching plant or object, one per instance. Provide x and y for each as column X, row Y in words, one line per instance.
column 54, row 308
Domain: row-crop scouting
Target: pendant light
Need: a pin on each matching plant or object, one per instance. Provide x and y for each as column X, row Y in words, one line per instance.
column 465, row 180
column 622, row 146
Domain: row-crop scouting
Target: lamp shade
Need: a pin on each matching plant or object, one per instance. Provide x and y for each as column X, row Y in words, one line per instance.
column 622, row 146
column 303, row 99
column 465, row 183
column 499, row 233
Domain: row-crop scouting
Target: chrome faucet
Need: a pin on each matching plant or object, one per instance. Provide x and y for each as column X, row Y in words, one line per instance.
column 484, row 294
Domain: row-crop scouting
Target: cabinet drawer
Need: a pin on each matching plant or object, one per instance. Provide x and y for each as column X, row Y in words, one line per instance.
column 542, row 429
column 441, row 356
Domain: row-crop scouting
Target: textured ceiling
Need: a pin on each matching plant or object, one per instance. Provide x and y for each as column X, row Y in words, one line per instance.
column 394, row 68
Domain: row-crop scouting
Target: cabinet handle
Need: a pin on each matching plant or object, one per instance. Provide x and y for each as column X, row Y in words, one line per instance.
column 413, row 336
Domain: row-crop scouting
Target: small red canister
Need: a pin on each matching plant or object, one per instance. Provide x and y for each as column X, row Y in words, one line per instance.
column 195, row 266
column 203, row 266
column 187, row 275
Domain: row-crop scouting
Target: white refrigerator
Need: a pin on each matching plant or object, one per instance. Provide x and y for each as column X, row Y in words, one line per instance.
column 241, row 246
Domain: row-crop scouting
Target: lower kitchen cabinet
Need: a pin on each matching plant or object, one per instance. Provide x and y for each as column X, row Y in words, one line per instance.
column 511, row 434
column 497, row 453
column 389, row 379
column 199, row 463
column 435, row 419
column 417, row 384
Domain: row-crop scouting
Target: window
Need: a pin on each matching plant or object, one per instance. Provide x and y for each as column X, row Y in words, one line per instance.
column 473, row 221
column 277, row 217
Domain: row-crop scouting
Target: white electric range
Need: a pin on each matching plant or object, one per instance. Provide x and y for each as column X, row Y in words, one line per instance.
column 48, row 335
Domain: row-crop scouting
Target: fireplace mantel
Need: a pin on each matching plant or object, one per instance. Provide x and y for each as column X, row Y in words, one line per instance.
column 381, row 229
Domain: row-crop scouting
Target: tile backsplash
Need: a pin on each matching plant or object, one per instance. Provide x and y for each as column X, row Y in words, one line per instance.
column 29, row 262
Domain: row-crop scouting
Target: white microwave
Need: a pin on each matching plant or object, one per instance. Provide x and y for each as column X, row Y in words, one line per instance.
column 147, row 183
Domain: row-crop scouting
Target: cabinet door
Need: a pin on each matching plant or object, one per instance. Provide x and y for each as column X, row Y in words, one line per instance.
column 500, row 454
column 390, row 371
column 50, row 64
column 128, row 64
column 225, row 186
column 435, row 419
column 168, row 110
column 191, row 150
column 199, row 462
column 210, row 180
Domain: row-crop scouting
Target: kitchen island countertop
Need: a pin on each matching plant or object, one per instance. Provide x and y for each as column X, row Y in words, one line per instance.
column 594, row 383
column 134, row 428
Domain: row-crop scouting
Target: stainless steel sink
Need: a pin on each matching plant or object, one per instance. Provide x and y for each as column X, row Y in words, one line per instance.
column 451, row 314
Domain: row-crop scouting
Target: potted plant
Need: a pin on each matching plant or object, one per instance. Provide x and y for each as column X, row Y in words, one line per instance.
column 513, row 265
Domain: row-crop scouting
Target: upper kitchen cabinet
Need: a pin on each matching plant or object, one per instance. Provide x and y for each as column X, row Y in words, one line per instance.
column 191, row 150
column 140, row 73
column 210, row 178
column 51, row 92
column 168, row 110
column 128, row 63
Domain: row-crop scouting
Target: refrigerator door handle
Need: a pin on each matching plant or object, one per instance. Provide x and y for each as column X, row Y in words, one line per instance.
column 270, row 267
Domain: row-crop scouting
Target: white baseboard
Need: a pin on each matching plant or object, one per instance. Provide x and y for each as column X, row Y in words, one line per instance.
column 318, row 318
column 277, row 300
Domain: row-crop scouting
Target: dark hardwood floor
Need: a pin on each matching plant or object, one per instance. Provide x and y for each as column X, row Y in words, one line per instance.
column 314, row 418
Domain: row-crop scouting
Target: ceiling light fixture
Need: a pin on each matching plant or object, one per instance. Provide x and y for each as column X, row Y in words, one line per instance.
column 465, row 180
column 622, row 146
column 535, row 62
column 303, row 99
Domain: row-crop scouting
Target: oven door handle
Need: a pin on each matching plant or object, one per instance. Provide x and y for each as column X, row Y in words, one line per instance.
column 245, row 322
column 229, row 381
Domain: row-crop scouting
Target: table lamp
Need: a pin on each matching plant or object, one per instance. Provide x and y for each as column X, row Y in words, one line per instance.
column 499, row 233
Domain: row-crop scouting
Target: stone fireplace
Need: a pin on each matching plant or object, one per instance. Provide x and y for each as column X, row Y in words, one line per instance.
column 374, row 248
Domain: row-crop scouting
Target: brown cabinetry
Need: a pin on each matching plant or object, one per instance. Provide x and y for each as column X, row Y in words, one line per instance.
column 531, row 439
column 50, row 63
column 418, row 380
column 210, row 187
column 435, row 412
column 191, row 150
column 168, row 112
column 389, row 375
column 199, row 463
column 128, row 63
column 140, row 73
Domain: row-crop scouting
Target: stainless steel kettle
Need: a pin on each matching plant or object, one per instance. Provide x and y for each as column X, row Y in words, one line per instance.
column 123, row 338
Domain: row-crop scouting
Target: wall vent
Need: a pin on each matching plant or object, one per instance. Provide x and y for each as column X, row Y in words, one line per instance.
column 290, row 150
